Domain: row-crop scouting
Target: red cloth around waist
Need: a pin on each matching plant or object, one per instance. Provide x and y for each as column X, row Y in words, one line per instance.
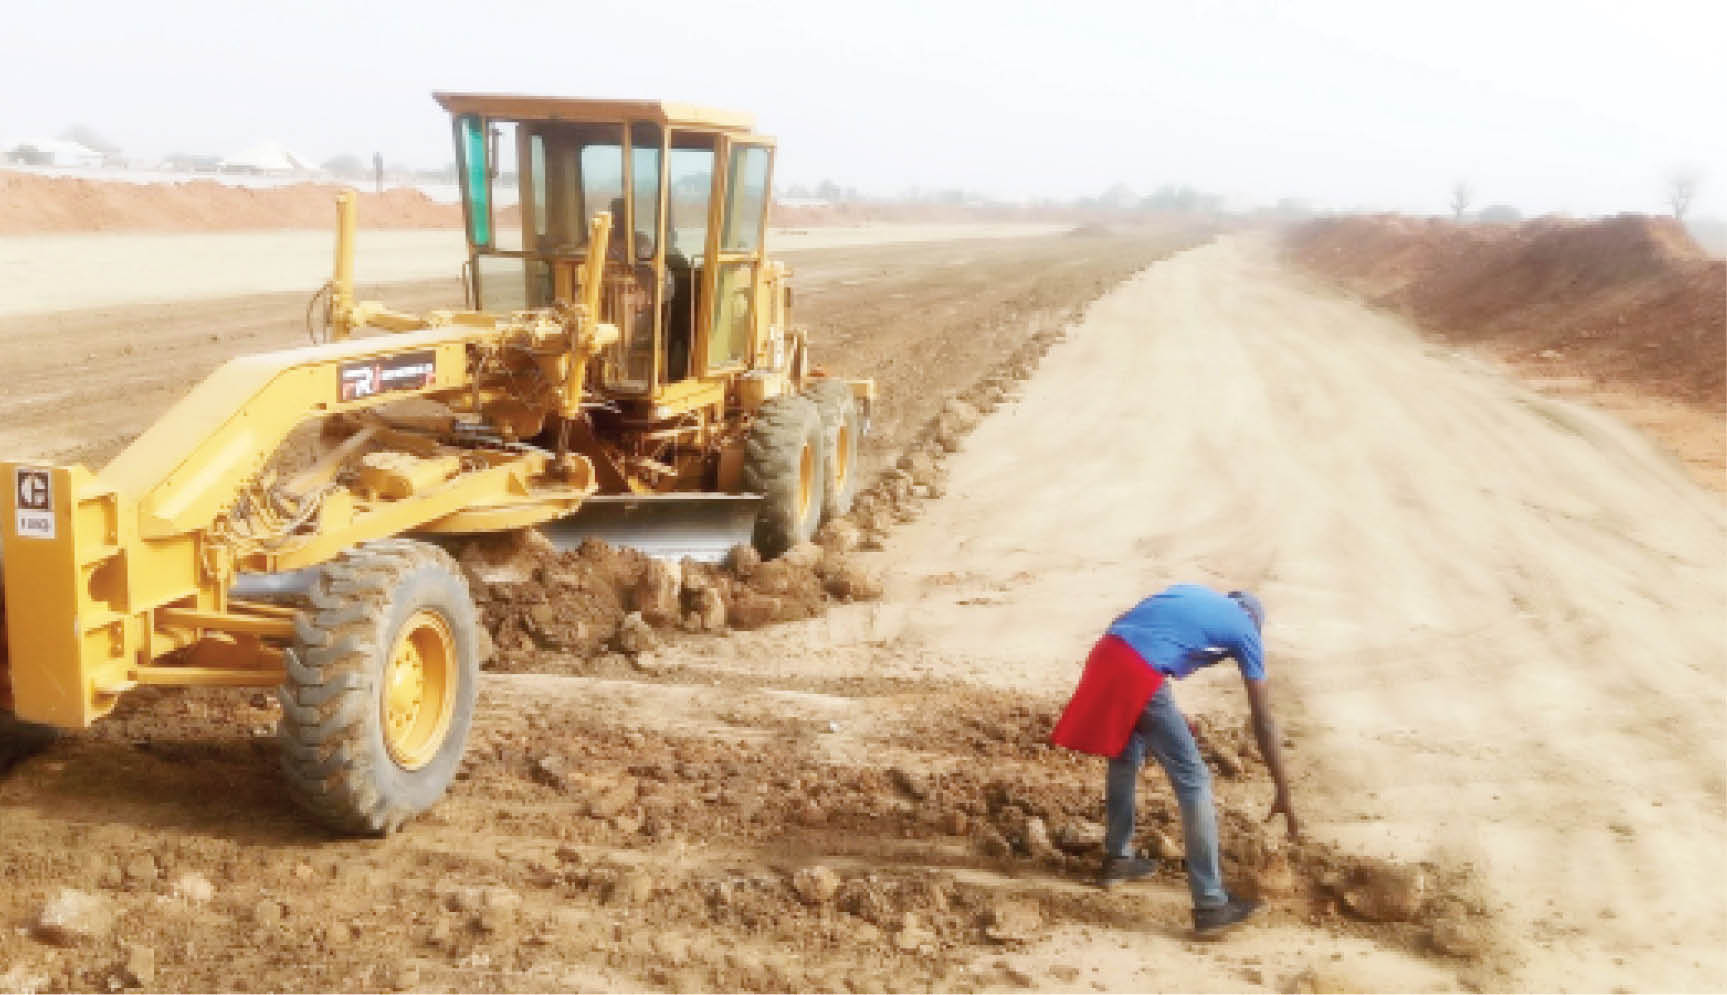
column 1112, row 693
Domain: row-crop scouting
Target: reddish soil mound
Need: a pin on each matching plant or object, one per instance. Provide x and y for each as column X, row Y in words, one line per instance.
column 551, row 611
column 1630, row 300
column 36, row 204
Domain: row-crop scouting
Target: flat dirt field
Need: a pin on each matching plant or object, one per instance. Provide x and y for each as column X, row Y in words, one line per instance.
column 82, row 270
column 1495, row 636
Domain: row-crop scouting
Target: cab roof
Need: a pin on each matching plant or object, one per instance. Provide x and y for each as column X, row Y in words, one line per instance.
column 527, row 108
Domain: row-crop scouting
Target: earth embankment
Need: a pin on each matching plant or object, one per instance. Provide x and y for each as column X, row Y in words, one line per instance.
column 1626, row 311
column 35, row 204
column 32, row 205
column 1630, row 300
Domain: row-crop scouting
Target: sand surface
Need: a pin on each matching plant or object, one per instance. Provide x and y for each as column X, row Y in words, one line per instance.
column 55, row 272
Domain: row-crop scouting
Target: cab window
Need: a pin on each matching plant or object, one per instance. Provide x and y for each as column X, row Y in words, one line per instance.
column 603, row 185
column 745, row 199
column 691, row 171
column 645, row 141
column 476, row 182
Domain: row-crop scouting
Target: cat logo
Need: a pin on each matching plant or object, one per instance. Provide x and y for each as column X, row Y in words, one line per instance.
column 34, row 510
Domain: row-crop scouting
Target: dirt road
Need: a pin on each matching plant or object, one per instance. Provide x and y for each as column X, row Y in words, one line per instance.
column 1497, row 616
column 1495, row 638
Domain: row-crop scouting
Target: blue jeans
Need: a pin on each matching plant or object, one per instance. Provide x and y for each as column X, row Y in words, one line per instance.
column 1162, row 730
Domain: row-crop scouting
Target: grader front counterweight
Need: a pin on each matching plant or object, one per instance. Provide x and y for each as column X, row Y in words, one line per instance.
column 630, row 354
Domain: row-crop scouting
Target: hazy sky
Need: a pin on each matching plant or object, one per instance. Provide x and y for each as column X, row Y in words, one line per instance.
column 1581, row 107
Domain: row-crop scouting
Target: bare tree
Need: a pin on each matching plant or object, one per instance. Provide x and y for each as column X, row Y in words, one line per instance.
column 1460, row 196
column 1681, row 189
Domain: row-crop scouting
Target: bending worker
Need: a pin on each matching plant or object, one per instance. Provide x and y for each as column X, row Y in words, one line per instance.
column 1123, row 707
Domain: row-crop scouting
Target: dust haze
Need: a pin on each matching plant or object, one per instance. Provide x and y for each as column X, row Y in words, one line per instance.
column 1579, row 109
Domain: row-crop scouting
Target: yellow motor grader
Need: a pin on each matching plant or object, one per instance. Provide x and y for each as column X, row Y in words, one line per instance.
column 623, row 366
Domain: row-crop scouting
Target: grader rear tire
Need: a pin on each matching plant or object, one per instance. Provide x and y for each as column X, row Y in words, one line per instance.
column 783, row 463
column 380, row 689
column 841, row 428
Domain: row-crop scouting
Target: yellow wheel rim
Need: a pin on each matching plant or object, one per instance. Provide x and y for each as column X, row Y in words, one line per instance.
column 842, row 458
column 806, row 480
column 419, row 693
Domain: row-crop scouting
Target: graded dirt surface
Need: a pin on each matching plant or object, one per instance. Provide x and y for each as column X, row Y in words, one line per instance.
column 80, row 383
column 1495, row 645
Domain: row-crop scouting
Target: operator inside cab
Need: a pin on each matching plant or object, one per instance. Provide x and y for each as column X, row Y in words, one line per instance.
column 636, row 304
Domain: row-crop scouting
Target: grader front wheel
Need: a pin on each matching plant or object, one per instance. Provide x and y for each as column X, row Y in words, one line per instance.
column 381, row 682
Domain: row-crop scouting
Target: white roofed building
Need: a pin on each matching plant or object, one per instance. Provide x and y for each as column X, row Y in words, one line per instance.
column 267, row 158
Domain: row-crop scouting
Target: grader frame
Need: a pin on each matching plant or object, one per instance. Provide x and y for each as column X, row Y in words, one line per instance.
column 533, row 403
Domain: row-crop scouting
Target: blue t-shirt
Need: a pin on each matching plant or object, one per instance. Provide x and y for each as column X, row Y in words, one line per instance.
column 1187, row 627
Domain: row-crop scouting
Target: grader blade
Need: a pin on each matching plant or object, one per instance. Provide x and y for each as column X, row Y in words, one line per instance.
column 701, row 527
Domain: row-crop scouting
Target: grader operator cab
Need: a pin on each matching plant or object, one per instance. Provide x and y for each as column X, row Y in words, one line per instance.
column 700, row 311
column 624, row 367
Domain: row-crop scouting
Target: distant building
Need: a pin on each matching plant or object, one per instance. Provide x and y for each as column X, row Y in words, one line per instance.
column 267, row 159
column 53, row 152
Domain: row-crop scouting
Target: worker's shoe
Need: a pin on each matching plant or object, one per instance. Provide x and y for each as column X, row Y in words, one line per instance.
column 1119, row 869
column 1214, row 922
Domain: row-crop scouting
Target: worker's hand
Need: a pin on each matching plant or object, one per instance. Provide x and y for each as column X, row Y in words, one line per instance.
column 1281, row 804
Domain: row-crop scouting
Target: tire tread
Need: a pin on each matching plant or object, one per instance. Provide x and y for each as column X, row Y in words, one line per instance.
column 325, row 726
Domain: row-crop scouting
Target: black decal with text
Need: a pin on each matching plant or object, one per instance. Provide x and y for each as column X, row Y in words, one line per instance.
column 406, row 371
